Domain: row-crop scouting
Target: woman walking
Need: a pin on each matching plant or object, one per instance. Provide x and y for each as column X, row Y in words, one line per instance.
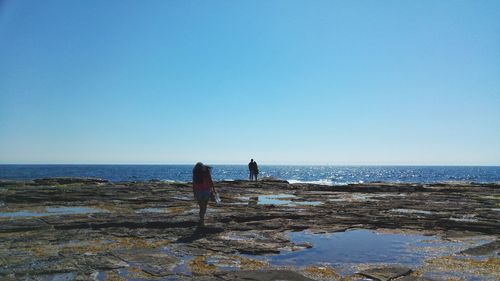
column 203, row 187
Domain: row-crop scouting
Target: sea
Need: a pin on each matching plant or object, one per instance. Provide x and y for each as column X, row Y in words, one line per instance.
column 327, row 175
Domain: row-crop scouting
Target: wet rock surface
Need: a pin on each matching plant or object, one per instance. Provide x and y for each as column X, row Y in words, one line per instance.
column 90, row 229
column 485, row 249
column 386, row 273
column 264, row 275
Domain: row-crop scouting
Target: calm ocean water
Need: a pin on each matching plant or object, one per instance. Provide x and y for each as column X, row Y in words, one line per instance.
column 315, row 174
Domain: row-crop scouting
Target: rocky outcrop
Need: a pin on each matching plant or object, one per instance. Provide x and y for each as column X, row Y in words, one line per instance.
column 66, row 180
column 85, row 227
column 386, row 273
column 264, row 275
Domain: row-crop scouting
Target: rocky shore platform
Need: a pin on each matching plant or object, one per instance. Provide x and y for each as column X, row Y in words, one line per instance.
column 89, row 229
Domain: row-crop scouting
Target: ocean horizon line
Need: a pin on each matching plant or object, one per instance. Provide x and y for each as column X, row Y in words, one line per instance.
column 260, row 163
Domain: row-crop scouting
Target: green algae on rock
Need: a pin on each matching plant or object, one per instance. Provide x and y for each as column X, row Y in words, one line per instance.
column 126, row 237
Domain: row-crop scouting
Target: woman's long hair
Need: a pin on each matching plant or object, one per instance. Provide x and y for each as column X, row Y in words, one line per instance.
column 199, row 171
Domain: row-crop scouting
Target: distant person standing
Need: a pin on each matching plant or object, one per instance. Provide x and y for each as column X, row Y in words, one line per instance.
column 203, row 187
column 253, row 169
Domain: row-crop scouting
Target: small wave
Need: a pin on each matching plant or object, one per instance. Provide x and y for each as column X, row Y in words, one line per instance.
column 321, row 182
column 172, row 181
column 324, row 182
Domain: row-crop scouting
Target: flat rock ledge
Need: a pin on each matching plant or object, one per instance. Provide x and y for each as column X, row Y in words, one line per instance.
column 92, row 229
column 386, row 273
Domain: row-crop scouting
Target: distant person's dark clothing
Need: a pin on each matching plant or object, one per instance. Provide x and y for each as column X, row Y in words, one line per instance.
column 250, row 170
column 203, row 187
column 254, row 170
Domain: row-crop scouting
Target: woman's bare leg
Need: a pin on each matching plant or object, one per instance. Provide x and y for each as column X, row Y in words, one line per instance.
column 203, row 211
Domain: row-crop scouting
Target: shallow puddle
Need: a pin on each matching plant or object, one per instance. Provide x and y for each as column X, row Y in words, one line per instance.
column 284, row 199
column 184, row 259
column 346, row 250
column 223, row 262
column 72, row 210
column 183, row 198
column 152, row 210
column 275, row 199
column 469, row 218
column 21, row 213
column 412, row 211
column 307, row 203
column 51, row 211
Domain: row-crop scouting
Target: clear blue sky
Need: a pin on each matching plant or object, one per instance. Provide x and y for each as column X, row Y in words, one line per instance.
column 319, row 82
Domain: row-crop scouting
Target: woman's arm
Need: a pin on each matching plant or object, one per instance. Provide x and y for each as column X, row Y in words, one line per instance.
column 210, row 182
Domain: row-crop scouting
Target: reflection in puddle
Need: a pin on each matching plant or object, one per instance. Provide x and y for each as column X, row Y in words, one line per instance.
column 284, row 199
column 469, row 218
column 307, row 203
column 411, row 211
column 223, row 262
column 276, row 199
column 52, row 211
column 184, row 259
column 345, row 250
column 152, row 210
column 351, row 198
column 21, row 214
column 72, row 210
column 183, row 198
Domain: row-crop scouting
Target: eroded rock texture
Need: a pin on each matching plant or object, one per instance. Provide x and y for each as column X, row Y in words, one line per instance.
column 87, row 229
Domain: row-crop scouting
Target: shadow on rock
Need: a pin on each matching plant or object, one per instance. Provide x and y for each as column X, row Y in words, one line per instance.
column 199, row 233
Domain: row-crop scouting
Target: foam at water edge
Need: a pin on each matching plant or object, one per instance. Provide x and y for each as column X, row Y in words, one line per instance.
column 173, row 181
column 323, row 182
